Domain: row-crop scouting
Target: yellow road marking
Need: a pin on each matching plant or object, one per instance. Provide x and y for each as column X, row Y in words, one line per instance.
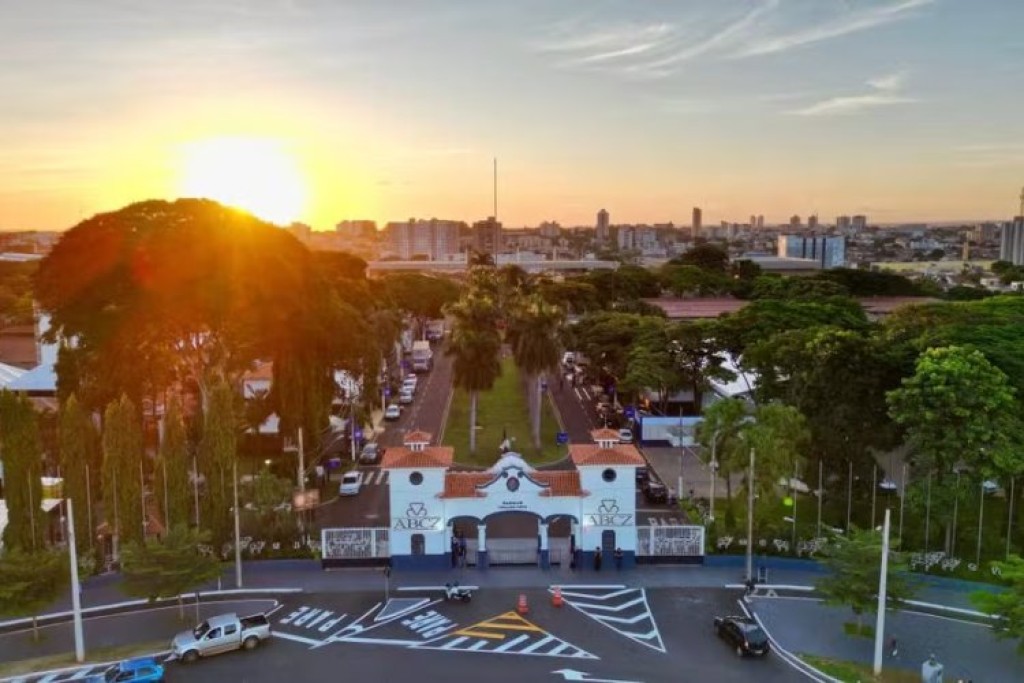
column 493, row 628
column 469, row 632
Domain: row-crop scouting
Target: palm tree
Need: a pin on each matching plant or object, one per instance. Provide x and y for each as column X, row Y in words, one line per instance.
column 475, row 347
column 534, row 336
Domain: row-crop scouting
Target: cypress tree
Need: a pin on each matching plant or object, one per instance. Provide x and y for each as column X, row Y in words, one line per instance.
column 122, row 461
column 174, row 463
column 217, row 457
column 23, row 490
column 77, row 444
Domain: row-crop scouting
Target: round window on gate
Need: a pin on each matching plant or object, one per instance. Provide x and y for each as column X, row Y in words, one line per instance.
column 609, row 475
column 416, row 478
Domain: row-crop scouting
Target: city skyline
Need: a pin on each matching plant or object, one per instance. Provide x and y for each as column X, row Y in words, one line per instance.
column 318, row 111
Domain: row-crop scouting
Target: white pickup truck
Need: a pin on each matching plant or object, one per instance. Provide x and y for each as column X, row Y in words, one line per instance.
column 219, row 634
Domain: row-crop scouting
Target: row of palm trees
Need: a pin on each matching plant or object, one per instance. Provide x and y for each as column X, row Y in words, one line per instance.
column 502, row 307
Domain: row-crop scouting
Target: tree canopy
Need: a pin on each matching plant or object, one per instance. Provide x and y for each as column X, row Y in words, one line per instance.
column 168, row 567
column 1007, row 605
column 22, row 463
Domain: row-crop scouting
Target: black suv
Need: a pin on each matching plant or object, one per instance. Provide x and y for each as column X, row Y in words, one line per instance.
column 743, row 634
column 655, row 492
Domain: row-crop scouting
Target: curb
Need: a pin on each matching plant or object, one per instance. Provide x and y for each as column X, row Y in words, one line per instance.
column 788, row 657
column 128, row 606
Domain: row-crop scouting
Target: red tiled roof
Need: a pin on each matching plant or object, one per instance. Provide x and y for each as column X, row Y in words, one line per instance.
column 417, row 436
column 604, row 434
column 560, row 483
column 464, row 484
column 262, row 371
column 431, row 456
column 592, row 454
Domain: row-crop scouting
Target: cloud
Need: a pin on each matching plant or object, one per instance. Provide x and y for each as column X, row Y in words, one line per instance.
column 849, row 22
column 606, row 42
column 885, row 92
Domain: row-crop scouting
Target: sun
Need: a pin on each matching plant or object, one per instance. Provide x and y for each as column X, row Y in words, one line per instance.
column 259, row 175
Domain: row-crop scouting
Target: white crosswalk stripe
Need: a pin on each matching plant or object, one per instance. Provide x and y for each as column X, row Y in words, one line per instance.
column 375, row 477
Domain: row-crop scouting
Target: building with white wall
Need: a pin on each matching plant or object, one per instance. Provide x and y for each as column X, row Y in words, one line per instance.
column 432, row 504
column 827, row 251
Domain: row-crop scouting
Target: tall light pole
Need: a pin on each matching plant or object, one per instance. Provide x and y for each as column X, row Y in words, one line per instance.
column 714, row 472
column 882, row 579
column 1009, row 518
column 981, row 516
column 76, row 599
column 903, row 502
column 238, row 535
column 956, row 511
column 821, row 492
column 849, row 495
column 750, row 519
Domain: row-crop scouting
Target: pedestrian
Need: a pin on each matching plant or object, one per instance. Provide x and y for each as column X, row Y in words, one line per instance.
column 618, row 558
column 462, row 551
column 597, row 560
column 750, row 583
column 893, row 647
column 455, row 552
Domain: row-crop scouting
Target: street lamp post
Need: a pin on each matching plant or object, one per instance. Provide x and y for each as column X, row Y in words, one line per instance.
column 714, row 473
column 76, row 598
column 238, row 534
column 750, row 519
column 981, row 516
column 882, row 578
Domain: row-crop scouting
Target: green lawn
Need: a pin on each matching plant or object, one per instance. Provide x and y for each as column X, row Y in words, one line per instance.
column 501, row 410
column 849, row 672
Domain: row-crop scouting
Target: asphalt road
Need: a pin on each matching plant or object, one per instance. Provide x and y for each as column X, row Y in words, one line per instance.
column 612, row 635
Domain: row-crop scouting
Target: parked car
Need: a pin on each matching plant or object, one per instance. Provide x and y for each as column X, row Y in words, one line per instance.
column 990, row 486
column 351, row 482
column 371, row 453
column 222, row 633
column 140, row 670
column 625, row 436
column 405, row 397
column 743, row 634
column 409, row 386
column 887, row 485
column 655, row 492
column 393, row 412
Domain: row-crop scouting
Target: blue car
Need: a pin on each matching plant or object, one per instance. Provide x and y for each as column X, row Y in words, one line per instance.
column 141, row 670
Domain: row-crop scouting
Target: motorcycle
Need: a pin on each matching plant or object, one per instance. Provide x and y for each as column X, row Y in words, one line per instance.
column 452, row 591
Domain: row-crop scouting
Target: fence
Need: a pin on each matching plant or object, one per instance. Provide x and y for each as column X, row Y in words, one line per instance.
column 669, row 544
column 355, row 546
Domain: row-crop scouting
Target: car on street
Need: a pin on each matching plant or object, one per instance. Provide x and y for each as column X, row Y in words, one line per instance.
column 393, row 412
column 625, row 436
column 655, row 492
column 222, row 633
column 743, row 633
column 409, row 385
column 405, row 397
column 139, row 670
column 351, row 482
column 372, row 452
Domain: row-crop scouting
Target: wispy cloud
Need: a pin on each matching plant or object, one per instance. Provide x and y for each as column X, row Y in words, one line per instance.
column 885, row 92
column 849, row 22
column 989, row 154
column 588, row 44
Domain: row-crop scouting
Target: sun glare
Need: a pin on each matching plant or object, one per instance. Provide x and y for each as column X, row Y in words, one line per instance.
column 259, row 175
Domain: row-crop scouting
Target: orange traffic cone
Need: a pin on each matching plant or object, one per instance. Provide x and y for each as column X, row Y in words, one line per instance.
column 522, row 608
column 556, row 597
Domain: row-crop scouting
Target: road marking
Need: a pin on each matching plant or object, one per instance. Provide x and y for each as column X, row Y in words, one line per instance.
column 509, row 634
column 572, row 675
column 454, row 643
column 512, row 643
column 297, row 639
column 637, row 623
column 396, row 607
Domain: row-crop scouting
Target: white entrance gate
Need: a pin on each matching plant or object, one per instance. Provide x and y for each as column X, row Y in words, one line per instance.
column 666, row 543
column 366, row 545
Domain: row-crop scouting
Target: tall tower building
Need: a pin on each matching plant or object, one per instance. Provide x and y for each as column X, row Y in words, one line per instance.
column 860, row 223
column 602, row 227
column 794, row 222
column 488, row 237
column 812, row 221
column 698, row 216
column 1011, row 244
column 760, row 222
column 843, row 225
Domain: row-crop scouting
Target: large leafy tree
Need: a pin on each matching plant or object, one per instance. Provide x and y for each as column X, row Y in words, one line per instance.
column 533, row 334
column 168, row 567
column 475, row 347
column 779, row 436
column 79, row 464
column 421, row 296
column 705, row 256
column 1007, row 606
column 22, row 461
column 959, row 414
column 172, row 469
column 698, row 358
column 217, row 453
column 854, row 562
column 123, row 472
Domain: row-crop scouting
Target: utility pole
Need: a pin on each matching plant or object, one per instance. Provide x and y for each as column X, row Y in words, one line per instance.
column 750, row 519
column 76, row 598
column 714, row 472
column 981, row 516
column 88, row 507
column 882, row 579
column 238, row 534
column 302, row 465
column 821, row 494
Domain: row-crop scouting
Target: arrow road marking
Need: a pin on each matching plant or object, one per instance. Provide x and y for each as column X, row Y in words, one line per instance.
column 573, row 675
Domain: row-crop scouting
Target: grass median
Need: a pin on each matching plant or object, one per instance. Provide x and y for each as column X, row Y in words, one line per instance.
column 851, row 672
column 501, row 411
column 93, row 656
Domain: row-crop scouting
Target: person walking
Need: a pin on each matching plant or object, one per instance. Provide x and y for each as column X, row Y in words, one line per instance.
column 597, row 560
column 893, row 647
column 618, row 559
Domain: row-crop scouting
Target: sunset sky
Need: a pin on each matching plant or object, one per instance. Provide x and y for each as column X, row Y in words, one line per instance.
column 321, row 110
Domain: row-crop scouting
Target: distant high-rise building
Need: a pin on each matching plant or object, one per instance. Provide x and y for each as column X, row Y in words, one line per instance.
column 812, row 222
column 1011, row 244
column 602, row 227
column 698, row 217
column 760, row 222
column 550, row 229
column 830, row 252
column 487, row 236
column 434, row 239
column 986, row 232
column 626, row 238
column 843, row 225
column 794, row 222
column 859, row 224
column 753, row 220
column 357, row 229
